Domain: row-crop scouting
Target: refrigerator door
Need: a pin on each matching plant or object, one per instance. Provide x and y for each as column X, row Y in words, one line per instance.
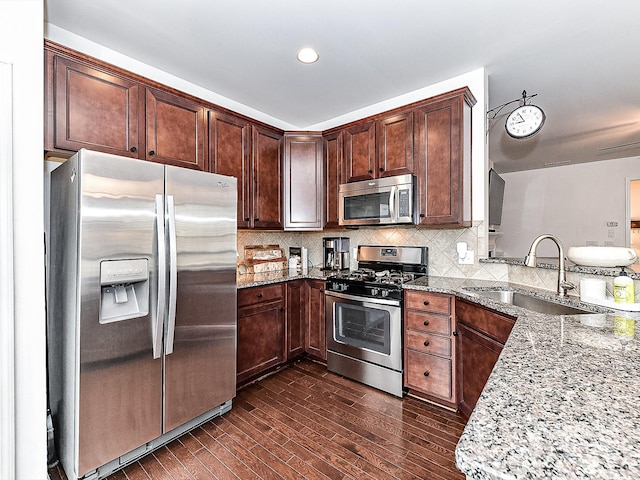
column 200, row 334
column 120, row 383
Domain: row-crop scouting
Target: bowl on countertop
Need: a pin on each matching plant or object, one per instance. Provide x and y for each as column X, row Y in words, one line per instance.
column 602, row 256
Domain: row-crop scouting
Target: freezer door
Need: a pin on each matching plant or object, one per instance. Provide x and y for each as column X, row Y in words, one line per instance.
column 200, row 340
column 120, row 383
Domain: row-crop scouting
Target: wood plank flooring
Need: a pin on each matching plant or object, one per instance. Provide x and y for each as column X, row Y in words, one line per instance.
column 305, row 422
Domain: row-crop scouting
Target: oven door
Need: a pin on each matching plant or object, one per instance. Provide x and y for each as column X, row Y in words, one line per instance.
column 365, row 329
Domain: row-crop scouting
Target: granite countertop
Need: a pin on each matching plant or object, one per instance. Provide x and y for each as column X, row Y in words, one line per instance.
column 256, row 279
column 562, row 400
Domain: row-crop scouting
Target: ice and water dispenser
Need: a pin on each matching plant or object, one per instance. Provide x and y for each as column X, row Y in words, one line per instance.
column 124, row 288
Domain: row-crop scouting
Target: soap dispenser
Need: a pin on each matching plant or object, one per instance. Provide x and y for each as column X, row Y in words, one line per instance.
column 623, row 291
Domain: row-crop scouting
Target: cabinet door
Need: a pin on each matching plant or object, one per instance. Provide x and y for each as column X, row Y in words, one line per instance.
column 443, row 138
column 295, row 318
column 91, row 108
column 229, row 153
column 175, row 130
column 267, row 178
column 360, row 147
column 430, row 374
column 260, row 339
column 315, row 333
column 477, row 355
column 394, row 145
column 303, row 183
column 333, row 177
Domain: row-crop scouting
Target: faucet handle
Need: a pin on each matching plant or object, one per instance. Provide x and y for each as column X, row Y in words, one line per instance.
column 567, row 286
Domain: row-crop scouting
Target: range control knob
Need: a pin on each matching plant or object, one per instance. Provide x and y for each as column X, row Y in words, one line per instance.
column 384, row 293
column 374, row 291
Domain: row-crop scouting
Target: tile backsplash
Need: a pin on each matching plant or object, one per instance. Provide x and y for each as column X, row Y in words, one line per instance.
column 443, row 256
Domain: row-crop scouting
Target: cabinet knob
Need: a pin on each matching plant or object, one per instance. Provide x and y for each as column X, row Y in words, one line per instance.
column 259, row 295
column 256, row 219
column 133, row 149
column 426, row 343
column 370, row 171
column 426, row 302
column 422, row 215
column 246, row 219
column 321, row 290
column 426, row 323
column 455, row 334
column 426, row 374
column 381, row 169
column 152, row 152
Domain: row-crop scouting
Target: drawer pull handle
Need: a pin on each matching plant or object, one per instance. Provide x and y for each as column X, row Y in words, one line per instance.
column 426, row 343
column 259, row 295
column 426, row 302
column 426, row 323
column 426, row 374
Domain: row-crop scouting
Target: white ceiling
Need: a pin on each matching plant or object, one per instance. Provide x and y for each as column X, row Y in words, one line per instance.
column 581, row 58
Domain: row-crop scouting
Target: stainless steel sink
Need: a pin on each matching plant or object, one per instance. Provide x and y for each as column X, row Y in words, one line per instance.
column 530, row 302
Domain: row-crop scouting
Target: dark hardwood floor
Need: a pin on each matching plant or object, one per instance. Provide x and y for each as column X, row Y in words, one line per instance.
column 304, row 422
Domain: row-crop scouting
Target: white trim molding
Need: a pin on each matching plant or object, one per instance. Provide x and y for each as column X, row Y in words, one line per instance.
column 7, row 318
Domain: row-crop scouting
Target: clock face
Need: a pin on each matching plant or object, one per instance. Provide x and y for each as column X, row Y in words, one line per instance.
column 525, row 121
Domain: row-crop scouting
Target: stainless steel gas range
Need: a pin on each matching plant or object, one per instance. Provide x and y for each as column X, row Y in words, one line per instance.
column 364, row 315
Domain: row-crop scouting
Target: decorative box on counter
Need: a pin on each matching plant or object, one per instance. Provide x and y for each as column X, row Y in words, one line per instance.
column 262, row 258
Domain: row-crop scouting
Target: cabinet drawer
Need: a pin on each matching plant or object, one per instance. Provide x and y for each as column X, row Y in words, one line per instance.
column 432, row 344
column 265, row 293
column 438, row 324
column 492, row 324
column 430, row 374
column 428, row 302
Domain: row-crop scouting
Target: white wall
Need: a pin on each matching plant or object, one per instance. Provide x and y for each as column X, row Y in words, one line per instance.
column 573, row 202
column 21, row 34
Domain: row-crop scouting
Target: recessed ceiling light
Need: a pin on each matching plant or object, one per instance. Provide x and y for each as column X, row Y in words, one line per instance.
column 308, row 55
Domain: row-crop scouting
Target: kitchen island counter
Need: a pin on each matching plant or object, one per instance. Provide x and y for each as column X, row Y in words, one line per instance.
column 562, row 400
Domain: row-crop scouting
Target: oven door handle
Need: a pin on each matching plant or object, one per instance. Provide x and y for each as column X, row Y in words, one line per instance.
column 369, row 300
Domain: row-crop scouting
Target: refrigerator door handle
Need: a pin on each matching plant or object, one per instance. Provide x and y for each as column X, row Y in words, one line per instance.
column 158, row 323
column 173, row 276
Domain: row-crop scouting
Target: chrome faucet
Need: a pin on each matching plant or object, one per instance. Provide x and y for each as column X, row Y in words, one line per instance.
column 530, row 261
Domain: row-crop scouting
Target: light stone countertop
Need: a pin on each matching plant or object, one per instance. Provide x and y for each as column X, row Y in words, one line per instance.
column 562, row 400
column 257, row 279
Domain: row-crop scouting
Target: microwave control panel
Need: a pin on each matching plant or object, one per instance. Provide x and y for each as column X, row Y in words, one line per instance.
column 404, row 207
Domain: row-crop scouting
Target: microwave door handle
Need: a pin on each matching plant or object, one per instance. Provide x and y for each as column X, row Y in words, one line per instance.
column 392, row 203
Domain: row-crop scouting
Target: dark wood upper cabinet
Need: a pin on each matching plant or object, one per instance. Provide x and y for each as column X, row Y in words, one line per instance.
column 267, row 178
column 90, row 108
column 443, row 160
column 303, row 182
column 360, row 151
column 394, row 145
column 229, row 154
column 176, row 130
column 333, row 177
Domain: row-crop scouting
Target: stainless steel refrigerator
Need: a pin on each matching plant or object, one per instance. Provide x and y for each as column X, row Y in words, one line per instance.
column 141, row 306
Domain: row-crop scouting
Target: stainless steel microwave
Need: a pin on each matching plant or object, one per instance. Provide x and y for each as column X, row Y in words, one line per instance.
column 381, row 201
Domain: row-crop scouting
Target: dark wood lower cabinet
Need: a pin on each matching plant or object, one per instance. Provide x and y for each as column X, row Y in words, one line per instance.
column 482, row 334
column 261, row 331
column 295, row 318
column 315, row 338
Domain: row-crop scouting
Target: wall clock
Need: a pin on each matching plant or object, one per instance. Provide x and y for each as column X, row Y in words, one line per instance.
column 525, row 121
